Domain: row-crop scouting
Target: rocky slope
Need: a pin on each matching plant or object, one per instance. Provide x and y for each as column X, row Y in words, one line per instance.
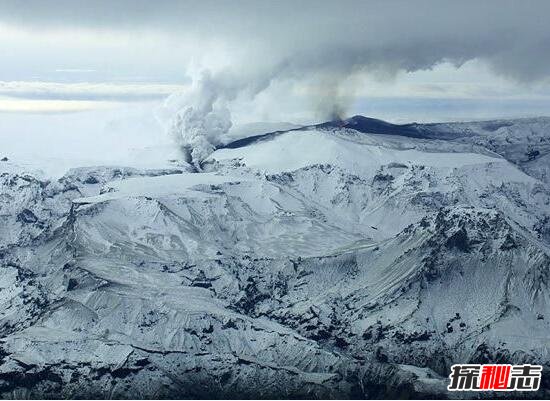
column 351, row 259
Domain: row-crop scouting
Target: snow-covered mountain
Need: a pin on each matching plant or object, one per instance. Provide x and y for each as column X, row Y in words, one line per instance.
column 353, row 258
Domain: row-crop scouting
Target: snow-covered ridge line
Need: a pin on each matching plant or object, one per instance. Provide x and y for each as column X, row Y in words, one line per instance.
column 443, row 131
column 293, row 150
column 524, row 142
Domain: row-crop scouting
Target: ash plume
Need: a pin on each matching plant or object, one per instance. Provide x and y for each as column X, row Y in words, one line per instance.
column 296, row 42
column 200, row 119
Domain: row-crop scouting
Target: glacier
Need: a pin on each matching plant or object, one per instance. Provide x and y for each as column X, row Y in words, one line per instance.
column 349, row 259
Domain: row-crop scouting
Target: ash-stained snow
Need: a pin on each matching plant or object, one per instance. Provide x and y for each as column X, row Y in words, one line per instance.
column 319, row 262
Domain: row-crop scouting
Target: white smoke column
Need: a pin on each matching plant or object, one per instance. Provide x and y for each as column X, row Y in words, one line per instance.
column 201, row 119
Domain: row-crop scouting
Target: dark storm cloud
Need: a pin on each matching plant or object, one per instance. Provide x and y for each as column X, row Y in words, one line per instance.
column 293, row 37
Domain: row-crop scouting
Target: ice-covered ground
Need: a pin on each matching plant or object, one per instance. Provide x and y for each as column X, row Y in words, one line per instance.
column 319, row 262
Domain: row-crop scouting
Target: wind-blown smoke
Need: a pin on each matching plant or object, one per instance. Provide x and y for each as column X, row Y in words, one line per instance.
column 296, row 42
column 333, row 96
column 200, row 117
column 200, row 120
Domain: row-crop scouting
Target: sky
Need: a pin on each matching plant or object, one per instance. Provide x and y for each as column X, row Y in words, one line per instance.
column 299, row 61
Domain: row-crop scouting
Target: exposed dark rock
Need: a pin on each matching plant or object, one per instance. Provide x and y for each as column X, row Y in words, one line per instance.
column 459, row 240
column 27, row 216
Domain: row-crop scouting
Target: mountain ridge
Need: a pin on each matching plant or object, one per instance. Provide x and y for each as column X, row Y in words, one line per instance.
column 376, row 126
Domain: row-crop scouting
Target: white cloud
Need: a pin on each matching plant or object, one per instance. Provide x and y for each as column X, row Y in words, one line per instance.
column 86, row 91
column 8, row 105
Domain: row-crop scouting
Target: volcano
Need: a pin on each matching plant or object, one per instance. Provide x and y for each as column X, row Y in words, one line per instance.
column 350, row 259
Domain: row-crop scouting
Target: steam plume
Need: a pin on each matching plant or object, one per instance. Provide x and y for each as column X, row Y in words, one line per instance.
column 201, row 119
